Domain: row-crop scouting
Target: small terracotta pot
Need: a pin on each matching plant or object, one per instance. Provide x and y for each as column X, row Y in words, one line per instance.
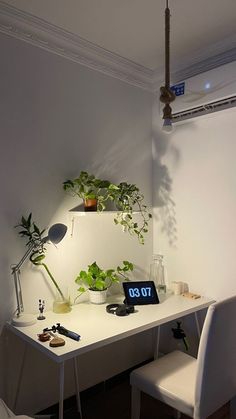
column 90, row 204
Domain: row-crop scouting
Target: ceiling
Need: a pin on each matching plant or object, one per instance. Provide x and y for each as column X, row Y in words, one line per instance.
column 134, row 29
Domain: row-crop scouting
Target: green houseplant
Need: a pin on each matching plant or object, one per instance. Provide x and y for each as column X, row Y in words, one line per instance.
column 97, row 280
column 94, row 192
column 36, row 241
column 126, row 198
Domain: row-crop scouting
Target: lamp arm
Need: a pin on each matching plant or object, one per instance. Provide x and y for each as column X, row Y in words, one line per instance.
column 19, row 264
column 19, row 300
column 16, row 276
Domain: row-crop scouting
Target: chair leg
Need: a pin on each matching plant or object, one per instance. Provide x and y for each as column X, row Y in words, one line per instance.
column 135, row 403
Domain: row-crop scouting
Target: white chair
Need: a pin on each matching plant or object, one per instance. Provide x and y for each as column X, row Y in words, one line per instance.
column 195, row 387
column 6, row 413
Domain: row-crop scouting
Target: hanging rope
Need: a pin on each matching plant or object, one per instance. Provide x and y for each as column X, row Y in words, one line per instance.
column 167, row 95
column 167, row 46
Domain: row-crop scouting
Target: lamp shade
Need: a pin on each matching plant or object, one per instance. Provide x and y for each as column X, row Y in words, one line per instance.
column 56, row 233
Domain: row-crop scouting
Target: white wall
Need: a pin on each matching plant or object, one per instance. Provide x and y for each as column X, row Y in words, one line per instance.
column 194, row 194
column 58, row 118
column 198, row 163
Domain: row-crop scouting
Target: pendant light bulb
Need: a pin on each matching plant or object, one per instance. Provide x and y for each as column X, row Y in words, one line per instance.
column 167, row 126
column 167, row 118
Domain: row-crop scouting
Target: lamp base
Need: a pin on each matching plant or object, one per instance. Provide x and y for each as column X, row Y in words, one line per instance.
column 23, row 320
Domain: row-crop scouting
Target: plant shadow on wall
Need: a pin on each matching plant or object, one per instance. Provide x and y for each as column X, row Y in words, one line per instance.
column 162, row 189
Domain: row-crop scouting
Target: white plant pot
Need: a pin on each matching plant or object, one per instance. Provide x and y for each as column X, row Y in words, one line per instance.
column 97, row 297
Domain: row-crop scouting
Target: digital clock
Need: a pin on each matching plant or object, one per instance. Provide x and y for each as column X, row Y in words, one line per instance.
column 140, row 293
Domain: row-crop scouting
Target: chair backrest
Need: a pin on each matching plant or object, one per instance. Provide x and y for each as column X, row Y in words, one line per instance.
column 216, row 373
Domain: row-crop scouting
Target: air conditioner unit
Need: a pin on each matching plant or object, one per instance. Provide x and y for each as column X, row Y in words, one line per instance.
column 205, row 93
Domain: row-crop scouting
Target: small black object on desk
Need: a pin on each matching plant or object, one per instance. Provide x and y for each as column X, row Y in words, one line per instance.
column 63, row 331
column 120, row 309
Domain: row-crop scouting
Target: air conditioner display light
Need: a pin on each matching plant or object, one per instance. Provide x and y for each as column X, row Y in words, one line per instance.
column 207, row 85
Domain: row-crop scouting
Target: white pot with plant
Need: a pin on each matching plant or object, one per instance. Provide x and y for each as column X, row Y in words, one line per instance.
column 97, row 281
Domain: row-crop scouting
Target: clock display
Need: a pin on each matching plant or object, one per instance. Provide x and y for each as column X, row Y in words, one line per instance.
column 140, row 293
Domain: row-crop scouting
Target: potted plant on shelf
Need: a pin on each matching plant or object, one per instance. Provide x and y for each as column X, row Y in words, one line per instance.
column 126, row 198
column 94, row 192
column 97, row 281
column 36, row 241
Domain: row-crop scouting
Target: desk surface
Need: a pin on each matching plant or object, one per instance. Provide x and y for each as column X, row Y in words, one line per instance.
column 98, row 328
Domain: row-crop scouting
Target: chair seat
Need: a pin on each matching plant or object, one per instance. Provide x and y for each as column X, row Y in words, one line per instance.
column 6, row 413
column 170, row 379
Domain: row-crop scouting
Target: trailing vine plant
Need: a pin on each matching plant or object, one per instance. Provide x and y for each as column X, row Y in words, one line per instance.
column 126, row 197
column 129, row 199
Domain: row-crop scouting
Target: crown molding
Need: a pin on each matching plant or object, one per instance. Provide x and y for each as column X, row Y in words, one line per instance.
column 205, row 65
column 38, row 32
column 216, row 55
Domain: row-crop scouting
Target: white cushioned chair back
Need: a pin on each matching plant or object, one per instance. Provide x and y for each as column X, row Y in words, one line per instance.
column 216, row 373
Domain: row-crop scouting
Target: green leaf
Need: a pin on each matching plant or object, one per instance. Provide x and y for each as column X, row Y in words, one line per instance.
column 113, row 187
column 36, row 229
column 100, row 285
column 23, row 221
column 82, row 275
column 109, row 272
column 37, row 259
column 24, row 233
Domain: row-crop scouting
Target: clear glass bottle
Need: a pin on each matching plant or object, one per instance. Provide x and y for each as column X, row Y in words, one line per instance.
column 157, row 273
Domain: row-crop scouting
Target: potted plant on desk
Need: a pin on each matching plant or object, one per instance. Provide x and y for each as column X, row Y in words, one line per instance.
column 97, row 281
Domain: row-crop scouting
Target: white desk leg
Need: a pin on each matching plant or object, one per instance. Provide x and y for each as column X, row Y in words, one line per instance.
column 197, row 325
column 20, row 376
column 156, row 338
column 77, row 387
column 61, row 391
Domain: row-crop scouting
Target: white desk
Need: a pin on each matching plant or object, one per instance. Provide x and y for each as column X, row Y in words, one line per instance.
column 98, row 328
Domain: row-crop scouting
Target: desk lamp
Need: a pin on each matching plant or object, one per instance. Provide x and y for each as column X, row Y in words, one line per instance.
column 55, row 235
